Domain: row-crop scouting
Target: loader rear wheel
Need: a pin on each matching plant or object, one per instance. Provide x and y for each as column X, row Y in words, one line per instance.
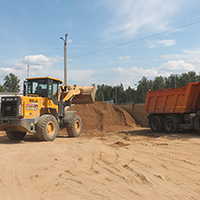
column 74, row 127
column 15, row 135
column 156, row 124
column 47, row 128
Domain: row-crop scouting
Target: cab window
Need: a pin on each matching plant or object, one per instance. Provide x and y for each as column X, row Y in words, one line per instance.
column 53, row 88
column 38, row 87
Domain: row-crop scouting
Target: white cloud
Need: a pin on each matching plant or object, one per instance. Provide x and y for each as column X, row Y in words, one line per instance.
column 39, row 65
column 130, row 16
column 36, row 60
column 176, row 66
column 170, row 56
column 134, row 72
column 195, row 62
column 4, row 72
column 167, row 43
column 70, row 41
column 190, row 54
column 22, row 66
column 124, row 57
column 130, row 76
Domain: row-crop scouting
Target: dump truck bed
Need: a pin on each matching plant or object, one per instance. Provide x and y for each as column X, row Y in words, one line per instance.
column 175, row 100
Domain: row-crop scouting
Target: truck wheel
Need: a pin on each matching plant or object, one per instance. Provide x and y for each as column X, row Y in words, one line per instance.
column 47, row 128
column 15, row 135
column 74, row 127
column 169, row 125
column 177, row 122
column 156, row 124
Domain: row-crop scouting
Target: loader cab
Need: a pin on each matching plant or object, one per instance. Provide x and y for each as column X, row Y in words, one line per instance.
column 43, row 87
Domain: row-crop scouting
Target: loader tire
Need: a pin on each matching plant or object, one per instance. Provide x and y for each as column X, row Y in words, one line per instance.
column 15, row 135
column 47, row 128
column 74, row 127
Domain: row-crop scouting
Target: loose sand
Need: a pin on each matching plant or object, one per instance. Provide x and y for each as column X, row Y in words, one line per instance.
column 112, row 159
column 103, row 117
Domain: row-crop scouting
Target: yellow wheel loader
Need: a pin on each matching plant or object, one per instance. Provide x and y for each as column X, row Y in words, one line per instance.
column 42, row 109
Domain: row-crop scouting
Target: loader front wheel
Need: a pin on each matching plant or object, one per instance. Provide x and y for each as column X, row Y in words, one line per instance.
column 47, row 128
column 15, row 135
column 74, row 127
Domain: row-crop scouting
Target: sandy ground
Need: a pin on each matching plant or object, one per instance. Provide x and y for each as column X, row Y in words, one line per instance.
column 129, row 164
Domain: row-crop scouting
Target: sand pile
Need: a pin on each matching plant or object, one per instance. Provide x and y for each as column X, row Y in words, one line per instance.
column 103, row 116
column 140, row 115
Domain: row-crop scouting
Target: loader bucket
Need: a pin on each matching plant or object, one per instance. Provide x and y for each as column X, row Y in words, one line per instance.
column 87, row 95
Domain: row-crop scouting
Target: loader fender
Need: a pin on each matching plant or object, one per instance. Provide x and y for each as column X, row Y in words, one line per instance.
column 68, row 116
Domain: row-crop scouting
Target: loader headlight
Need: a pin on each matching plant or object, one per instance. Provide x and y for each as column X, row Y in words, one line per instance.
column 8, row 99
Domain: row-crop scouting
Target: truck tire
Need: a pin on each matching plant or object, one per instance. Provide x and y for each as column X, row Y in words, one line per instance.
column 177, row 121
column 156, row 124
column 15, row 135
column 170, row 125
column 74, row 127
column 47, row 128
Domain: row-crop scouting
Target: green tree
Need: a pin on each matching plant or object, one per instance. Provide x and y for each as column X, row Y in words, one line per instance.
column 171, row 81
column 11, row 83
column 158, row 83
column 121, row 94
column 1, row 89
column 142, row 88
column 130, row 95
column 193, row 77
column 101, row 96
column 108, row 92
column 183, row 80
column 138, row 95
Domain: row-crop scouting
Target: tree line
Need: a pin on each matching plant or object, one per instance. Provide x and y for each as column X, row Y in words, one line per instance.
column 138, row 94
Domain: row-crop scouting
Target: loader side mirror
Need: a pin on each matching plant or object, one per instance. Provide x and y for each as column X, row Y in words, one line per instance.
column 25, row 88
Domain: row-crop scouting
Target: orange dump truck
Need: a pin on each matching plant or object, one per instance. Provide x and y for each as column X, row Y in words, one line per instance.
column 174, row 109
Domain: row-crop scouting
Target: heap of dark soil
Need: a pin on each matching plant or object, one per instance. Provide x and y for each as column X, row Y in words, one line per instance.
column 103, row 117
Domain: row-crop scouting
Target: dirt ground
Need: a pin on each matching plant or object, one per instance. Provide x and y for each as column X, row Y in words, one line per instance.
column 130, row 164
column 120, row 161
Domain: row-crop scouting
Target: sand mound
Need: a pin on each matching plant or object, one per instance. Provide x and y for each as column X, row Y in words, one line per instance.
column 103, row 116
column 140, row 115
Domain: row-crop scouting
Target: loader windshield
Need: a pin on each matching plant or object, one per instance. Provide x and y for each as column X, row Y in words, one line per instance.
column 39, row 87
column 44, row 87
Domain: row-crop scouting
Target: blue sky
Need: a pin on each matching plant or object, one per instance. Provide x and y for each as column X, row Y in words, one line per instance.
column 30, row 35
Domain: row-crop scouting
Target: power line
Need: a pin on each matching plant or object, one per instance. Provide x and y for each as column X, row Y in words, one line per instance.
column 136, row 40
